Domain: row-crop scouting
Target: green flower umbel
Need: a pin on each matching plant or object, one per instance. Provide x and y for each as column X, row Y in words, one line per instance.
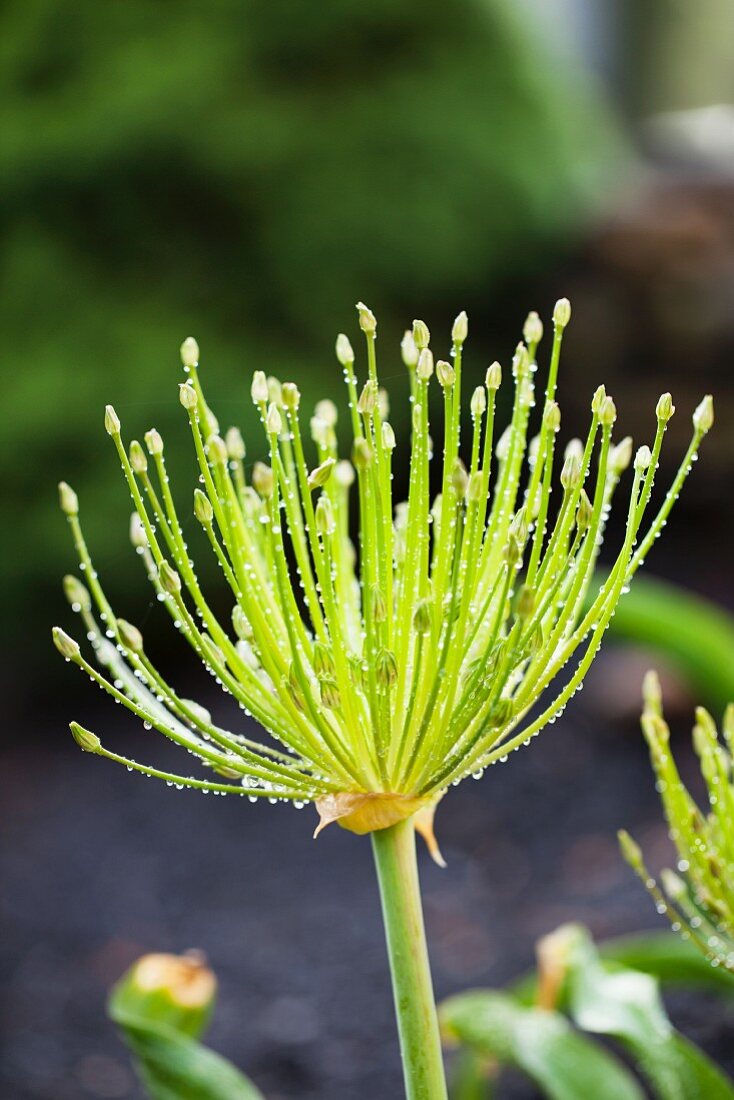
column 388, row 667
column 700, row 899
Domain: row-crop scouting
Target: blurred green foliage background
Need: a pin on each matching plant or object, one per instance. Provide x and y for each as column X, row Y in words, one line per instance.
column 246, row 172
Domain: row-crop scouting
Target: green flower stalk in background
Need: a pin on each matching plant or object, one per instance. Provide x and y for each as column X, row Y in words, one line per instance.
column 389, row 669
column 699, row 900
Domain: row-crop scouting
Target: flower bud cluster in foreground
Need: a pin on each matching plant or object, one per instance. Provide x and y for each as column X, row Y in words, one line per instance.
column 390, row 662
column 699, row 900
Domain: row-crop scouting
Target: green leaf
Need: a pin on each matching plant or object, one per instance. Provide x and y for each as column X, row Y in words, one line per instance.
column 626, row 1005
column 540, row 1043
column 670, row 959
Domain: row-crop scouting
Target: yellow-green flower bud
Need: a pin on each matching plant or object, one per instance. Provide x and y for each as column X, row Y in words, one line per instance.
column 235, row 444
column 519, row 526
column 423, row 616
column 459, row 479
column 154, row 442
column 652, row 694
column 323, row 660
column 386, row 668
column 584, row 512
column 520, row 361
column 169, row 578
column 493, row 379
column 344, row 351
column 330, row 695
column 344, row 473
column 367, row 319
column 67, row 647
column 85, row 739
column 130, row 636
column 259, row 389
column 263, row 480
column 525, row 602
column 424, row 368
column 321, row 474
column 216, row 450
column 203, row 509
column 378, row 605
column 665, row 408
column 275, row 390
column 409, row 350
column 533, row 328
column 631, row 851
column 570, row 471
column 68, row 499
column 643, row 458
column 445, row 374
column 383, row 403
column 138, row 457
column 367, row 399
column 503, row 444
column 189, row 352
column 460, row 329
column 325, row 522
column 562, row 313
column 291, row 396
column 621, row 456
column 327, row 411
column 598, row 399
column 474, row 488
column 111, row 421
column 703, row 417
column 138, row 537
column 76, row 593
column 552, row 416
column 212, row 652
column 187, row 395
column 421, row 335
column 607, row 412
column 361, row 453
column 478, row 402
column 273, row 420
column 388, row 436
column 241, row 624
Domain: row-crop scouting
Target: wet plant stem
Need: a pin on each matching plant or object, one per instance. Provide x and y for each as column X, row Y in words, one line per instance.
column 415, row 1008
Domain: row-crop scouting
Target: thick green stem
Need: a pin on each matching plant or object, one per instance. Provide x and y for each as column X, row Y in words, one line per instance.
column 415, row 1008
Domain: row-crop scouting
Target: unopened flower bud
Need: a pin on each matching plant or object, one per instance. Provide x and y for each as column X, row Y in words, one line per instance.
column 424, row 369
column 67, row 647
column 138, row 458
column 519, row 526
column 130, row 636
column 68, row 499
column 241, row 623
column 111, row 421
column 388, row 436
column 570, row 472
column 703, row 417
column 378, row 605
column 459, row 479
column 408, row 350
column 187, row 395
column 138, row 537
column 584, row 512
column 621, row 455
column 327, row 411
column 85, row 739
column 211, row 424
column 275, row 390
column 344, row 351
column 367, row 319
column 76, row 593
column 330, row 695
column 445, row 374
column 421, row 335
column 503, row 444
column 532, row 331
column 596, row 402
column 235, row 444
column 325, row 523
column 631, row 851
column 607, row 412
column 361, row 453
column 169, row 578
column 562, row 313
column 203, row 509
column 154, row 442
column 263, row 479
column 367, row 399
column 422, row 616
column 652, row 694
column 259, row 388
column 386, row 668
column 665, row 408
column 520, row 361
column 525, row 602
column 460, row 329
column 216, row 449
column 552, row 417
column 478, row 402
column 189, row 352
column 291, row 396
column 273, row 420
column 321, row 474
column 643, row 458
column 493, row 380
column 344, row 473
column 323, row 660
column 212, row 652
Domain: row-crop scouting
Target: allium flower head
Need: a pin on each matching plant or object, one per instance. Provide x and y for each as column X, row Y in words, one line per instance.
column 392, row 660
column 699, row 897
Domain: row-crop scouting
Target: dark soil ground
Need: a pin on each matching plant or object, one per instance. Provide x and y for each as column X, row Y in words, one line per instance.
column 101, row 866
